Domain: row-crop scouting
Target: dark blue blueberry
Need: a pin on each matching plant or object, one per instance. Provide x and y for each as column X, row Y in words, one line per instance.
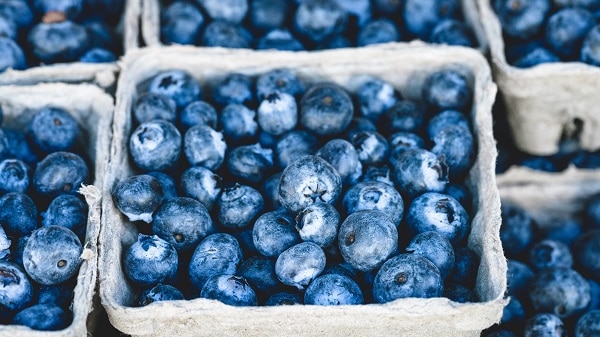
column 588, row 324
column 16, row 291
column 160, row 292
column 274, row 232
column 70, row 8
column 318, row 223
column 17, row 251
column 404, row 140
column 460, row 193
column 278, row 113
column 308, row 180
column 137, row 197
column 5, row 243
column 594, row 295
column 454, row 33
column 444, row 119
column 18, row 147
column 566, row 30
column 436, row 248
column 294, row 145
column 52, row 255
column 150, row 260
column 335, row 41
column 586, row 252
column 268, row 14
column 519, row 278
column 284, row 298
column 239, row 123
column 232, row 11
column 250, row 163
column 155, row 145
column 245, row 239
column 229, row 289
column 183, row 222
column 407, row 275
column 517, row 49
column 592, row 211
column 234, row 88
column 58, row 42
column 539, row 163
column 378, row 173
column 180, row 23
column 59, row 294
column 388, row 6
column 560, row 291
column 516, row 231
column 14, row 176
column 358, row 124
column 590, row 51
column 259, row 271
column 586, row 160
column 522, row 19
column 52, row 129
column 550, row 254
column 535, row 57
column 375, row 195
column 18, row 214
column 217, row 254
column 226, row 35
column 457, row 146
column 447, row 90
column 459, row 293
column 404, row 116
column 378, row 31
column 359, row 11
column 357, row 234
column 203, row 146
column 342, row 155
column 589, row 4
column 11, row 55
column 18, row 10
column 375, row 96
column 466, row 265
column 300, row 264
column 44, row 317
column 440, row 213
column 149, row 106
column 166, row 184
column 416, row 171
column 270, row 191
column 8, row 27
column 198, row 113
column 513, row 313
column 333, row 289
column 279, row 39
column 178, row 85
column 372, row 148
column 565, row 231
column 238, row 206
column 67, row 211
column 326, row 109
column 201, row 184
column 318, row 19
column 544, row 325
column 102, row 35
column 421, row 16
column 278, row 80
column 98, row 55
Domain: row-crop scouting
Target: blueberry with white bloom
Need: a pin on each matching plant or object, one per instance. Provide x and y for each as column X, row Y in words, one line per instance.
column 453, row 32
column 149, row 106
column 270, row 190
column 544, row 324
column 232, row 11
column 318, row 19
column 229, row 289
column 238, row 206
column 404, row 116
column 178, row 85
column 43, row 317
column 14, row 176
column 4, row 245
column 268, row 14
column 150, row 260
column 279, row 39
column 588, row 324
column 421, row 16
column 318, row 223
column 58, row 173
column 201, row 184
column 333, row 289
column 160, row 292
column 227, row 35
column 18, row 214
column 181, row 23
column 155, row 145
column 300, row 264
column 342, row 155
column 436, row 248
column 375, row 97
column 259, row 271
column 375, row 195
column 16, row 291
column 203, row 146
column 445, row 119
column 284, row 298
column 137, row 197
column 403, row 140
column 215, row 255
column 274, row 232
column 550, row 254
column 278, row 80
column 293, row 145
column 166, row 183
column 198, row 112
column 251, row 163
column 372, row 147
column 326, row 109
column 68, row 211
column 560, row 291
column 447, row 89
column 53, row 129
column 278, row 113
column 234, row 88
column 378, row 31
column 239, row 123
column 457, row 146
column 416, row 171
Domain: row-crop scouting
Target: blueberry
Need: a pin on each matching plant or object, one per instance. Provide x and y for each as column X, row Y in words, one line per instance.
column 519, row 278
column 318, row 19
column 358, row 11
column 334, row 42
column 457, row 146
column 513, row 313
column 460, row 193
column 318, row 223
column 232, row 11
column 342, row 155
column 278, row 80
column 589, row 4
column 18, row 214
column 58, row 42
column 586, row 251
column 550, row 254
column 181, row 23
column 149, row 106
column 421, row 16
column 378, row 31
column 306, row 181
column 101, row 34
column 547, row 325
column 11, row 55
column 279, row 39
column 98, row 55
column 358, row 124
column 284, row 298
column 178, row 85
column 294, row 145
column 588, row 324
column 18, row 247
column 234, row 88
column 166, row 184
column 158, row 293
column 217, row 254
column 18, row 10
column 182, row 222
column 586, row 160
column 459, row 293
column 454, row 33
column 466, row 265
column 8, row 27
column 52, row 255
column 238, row 206
column 45, row 317
column 16, row 291
column 403, row 116
column 379, row 174
column 440, row 213
column 388, row 6
column 566, row 30
column 268, row 14
column 357, row 234
column 239, row 123
column 333, row 289
column 375, row 195
column 245, row 240
column 14, row 176
column 435, row 248
column 326, row 109
column 259, row 271
column 447, row 89
column 229, row 289
column 5, row 243
column 300, row 264
column 405, row 140
column 59, row 294
column 445, row 119
column 137, row 197
column 416, row 171
column 250, row 163
column 589, row 51
column 67, row 211
column 407, row 275
column 535, row 57
column 594, row 295
column 201, row 184
column 18, row 146
column 522, row 19
column 274, row 232
column 278, row 113
column 150, row 260
column 375, row 96
column 516, row 231
column 198, row 113
column 592, row 211
column 560, row 291
column 372, row 148
column 53, row 129
column 226, row 35
column 155, row 145
column 70, row 8
column 203, row 146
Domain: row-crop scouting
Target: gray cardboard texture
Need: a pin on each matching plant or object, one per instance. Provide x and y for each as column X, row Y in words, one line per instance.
column 405, row 67
column 93, row 110
column 546, row 101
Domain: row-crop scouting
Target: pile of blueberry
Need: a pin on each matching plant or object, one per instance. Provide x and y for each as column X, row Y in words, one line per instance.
column 37, row 32
column 542, row 31
column 42, row 219
column 271, row 190
column 312, row 24
column 553, row 274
